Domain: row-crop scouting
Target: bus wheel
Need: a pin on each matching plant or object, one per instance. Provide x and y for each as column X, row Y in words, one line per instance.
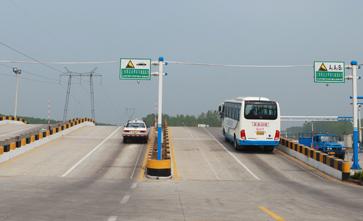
column 235, row 144
column 224, row 134
column 268, row 149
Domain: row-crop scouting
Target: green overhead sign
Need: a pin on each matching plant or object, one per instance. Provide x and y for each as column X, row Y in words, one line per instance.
column 135, row 69
column 329, row 72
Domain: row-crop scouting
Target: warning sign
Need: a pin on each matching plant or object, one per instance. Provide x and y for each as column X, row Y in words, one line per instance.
column 329, row 72
column 130, row 65
column 322, row 67
column 135, row 69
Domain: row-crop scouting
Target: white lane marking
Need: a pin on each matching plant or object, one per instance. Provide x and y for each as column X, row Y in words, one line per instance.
column 133, row 186
column 125, row 199
column 90, row 153
column 137, row 162
column 233, row 156
column 112, row 218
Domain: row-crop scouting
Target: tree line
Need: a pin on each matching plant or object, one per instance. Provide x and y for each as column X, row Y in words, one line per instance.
column 210, row 118
column 338, row 128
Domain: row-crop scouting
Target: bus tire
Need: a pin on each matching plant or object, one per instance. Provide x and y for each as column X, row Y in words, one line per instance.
column 224, row 134
column 235, row 144
column 268, row 149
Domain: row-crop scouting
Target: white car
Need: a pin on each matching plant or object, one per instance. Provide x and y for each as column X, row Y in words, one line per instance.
column 135, row 130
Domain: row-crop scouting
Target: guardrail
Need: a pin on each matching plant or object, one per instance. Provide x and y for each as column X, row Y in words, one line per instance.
column 30, row 137
column 324, row 162
column 12, row 118
column 158, row 168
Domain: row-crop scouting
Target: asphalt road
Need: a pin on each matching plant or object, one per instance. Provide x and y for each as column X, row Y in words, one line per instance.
column 218, row 183
column 12, row 130
column 81, row 176
column 90, row 175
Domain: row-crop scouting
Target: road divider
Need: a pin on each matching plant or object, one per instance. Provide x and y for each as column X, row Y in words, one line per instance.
column 159, row 168
column 330, row 165
column 12, row 119
column 17, row 145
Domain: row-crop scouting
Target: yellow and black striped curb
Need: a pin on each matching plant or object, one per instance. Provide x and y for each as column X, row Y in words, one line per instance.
column 2, row 118
column 158, row 168
column 331, row 161
column 20, row 141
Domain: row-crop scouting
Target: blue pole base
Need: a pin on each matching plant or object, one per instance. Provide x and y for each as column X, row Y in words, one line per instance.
column 160, row 131
column 355, row 165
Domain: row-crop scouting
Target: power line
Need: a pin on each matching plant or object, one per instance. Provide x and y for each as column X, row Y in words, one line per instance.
column 240, row 65
column 32, row 73
column 30, row 57
column 169, row 62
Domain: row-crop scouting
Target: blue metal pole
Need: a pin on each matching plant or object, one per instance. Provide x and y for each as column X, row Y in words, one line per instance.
column 355, row 165
column 160, row 107
column 160, row 132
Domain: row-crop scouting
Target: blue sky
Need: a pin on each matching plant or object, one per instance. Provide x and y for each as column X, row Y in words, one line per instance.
column 227, row 32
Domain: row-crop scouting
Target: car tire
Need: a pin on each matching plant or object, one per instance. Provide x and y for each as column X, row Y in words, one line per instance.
column 125, row 140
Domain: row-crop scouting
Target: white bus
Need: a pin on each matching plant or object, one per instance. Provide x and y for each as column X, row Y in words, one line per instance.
column 251, row 121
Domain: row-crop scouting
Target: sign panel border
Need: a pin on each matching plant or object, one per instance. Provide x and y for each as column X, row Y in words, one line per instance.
column 332, row 82
column 134, row 79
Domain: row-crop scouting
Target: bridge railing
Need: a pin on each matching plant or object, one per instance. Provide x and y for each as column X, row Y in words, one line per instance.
column 38, row 134
column 324, row 162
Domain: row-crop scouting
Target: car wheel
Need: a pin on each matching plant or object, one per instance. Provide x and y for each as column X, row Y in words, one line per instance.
column 125, row 140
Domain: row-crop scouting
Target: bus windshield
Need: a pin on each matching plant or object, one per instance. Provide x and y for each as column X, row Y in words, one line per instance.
column 264, row 110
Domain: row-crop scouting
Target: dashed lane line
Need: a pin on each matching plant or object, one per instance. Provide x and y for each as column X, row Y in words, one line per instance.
column 133, row 186
column 137, row 162
column 112, row 218
column 125, row 199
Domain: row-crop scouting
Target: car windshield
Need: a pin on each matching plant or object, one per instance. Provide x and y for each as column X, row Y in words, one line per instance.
column 260, row 110
column 329, row 139
column 135, row 125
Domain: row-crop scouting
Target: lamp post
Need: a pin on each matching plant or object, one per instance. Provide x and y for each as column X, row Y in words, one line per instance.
column 17, row 72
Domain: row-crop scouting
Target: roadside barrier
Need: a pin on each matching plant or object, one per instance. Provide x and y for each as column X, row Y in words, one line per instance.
column 12, row 118
column 17, row 143
column 328, row 164
column 158, row 168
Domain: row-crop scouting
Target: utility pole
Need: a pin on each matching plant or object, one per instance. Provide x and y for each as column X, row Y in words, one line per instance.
column 49, row 109
column 70, row 75
column 355, row 165
column 17, row 72
column 67, row 97
column 92, row 95
column 160, row 107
